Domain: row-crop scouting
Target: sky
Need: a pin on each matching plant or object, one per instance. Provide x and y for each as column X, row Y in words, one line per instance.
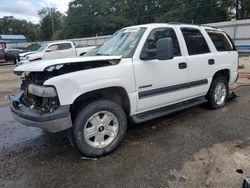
column 27, row 9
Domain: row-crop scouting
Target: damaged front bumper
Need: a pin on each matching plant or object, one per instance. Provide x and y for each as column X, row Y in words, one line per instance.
column 55, row 121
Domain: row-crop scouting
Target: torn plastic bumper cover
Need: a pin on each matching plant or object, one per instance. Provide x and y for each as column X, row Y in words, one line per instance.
column 55, row 121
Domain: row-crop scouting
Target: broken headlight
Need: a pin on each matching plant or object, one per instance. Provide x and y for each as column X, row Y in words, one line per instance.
column 42, row 91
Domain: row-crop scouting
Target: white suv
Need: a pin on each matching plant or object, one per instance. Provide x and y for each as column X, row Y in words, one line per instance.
column 140, row 73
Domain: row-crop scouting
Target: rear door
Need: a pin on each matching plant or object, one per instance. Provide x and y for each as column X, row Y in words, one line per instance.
column 226, row 56
column 200, row 61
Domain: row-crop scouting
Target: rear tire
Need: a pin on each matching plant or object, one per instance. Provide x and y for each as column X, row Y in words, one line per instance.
column 218, row 92
column 99, row 128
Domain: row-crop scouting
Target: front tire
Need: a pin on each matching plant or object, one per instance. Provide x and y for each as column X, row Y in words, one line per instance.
column 218, row 92
column 99, row 128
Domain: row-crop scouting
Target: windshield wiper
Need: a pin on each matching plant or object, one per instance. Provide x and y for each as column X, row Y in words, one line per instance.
column 102, row 54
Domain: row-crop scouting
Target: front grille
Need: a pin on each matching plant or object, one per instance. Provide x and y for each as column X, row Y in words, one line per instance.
column 45, row 104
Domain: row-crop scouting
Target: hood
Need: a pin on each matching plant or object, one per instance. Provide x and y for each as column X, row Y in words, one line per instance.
column 26, row 53
column 40, row 65
column 34, row 56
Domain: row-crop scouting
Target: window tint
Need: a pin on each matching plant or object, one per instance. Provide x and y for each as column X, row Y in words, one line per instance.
column 65, row 46
column 220, row 41
column 159, row 34
column 196, row 43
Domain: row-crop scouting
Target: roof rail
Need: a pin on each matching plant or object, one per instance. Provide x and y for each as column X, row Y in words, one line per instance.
column 205, row 25
column 180, row 23
column 176, row 23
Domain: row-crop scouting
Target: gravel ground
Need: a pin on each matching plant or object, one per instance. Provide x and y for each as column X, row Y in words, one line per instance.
column 195, row 148
column 8, row 82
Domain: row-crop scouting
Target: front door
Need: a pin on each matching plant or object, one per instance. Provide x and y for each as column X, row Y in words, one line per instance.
column 53, row 52
column 160, row 82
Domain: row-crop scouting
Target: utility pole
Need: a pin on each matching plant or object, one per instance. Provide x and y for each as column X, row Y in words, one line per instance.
column 52, row 22
column 237, row 9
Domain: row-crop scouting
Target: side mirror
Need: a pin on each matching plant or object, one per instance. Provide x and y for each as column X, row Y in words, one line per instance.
column 165, row 49
column 48, row 50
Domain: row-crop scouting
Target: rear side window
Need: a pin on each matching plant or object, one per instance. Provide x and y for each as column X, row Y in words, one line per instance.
column 157, row 34
column 220, row 41
column 65, row 46
column 196, row 43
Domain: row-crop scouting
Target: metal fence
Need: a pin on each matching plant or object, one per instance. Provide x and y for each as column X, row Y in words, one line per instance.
column 90, row 41
column 238, row 30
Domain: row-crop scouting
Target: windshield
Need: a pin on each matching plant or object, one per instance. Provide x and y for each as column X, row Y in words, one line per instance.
column 42, row 48
column 122, row 43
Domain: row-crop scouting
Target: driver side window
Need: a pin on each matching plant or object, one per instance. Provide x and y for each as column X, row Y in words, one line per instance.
column 54, row 47
column 157, row 34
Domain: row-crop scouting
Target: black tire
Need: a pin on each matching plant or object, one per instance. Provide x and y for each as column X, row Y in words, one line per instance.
column 76, row 134
column 211, row 93
column 15, row 60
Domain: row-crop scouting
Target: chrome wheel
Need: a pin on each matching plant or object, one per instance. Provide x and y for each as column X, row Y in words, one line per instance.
column 101, row 129
column 220, row 93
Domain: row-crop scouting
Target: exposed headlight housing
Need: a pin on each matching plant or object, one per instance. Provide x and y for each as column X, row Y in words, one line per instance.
column 42, row 91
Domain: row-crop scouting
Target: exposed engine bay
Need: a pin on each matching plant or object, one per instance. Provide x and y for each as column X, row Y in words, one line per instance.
column 48, row 104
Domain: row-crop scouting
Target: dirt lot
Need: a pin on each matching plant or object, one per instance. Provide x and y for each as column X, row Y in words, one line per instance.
column 195, row 148
column 8, row 82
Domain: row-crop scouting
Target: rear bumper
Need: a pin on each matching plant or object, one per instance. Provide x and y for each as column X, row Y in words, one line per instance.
column 233, row 78
column 55, row 121
column 233, row 81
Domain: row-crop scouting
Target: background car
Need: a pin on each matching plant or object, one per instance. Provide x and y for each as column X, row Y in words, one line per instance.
column 11, row 54
column 2, row 55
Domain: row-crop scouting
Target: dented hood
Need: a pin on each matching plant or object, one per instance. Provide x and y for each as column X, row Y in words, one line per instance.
column 39, row 66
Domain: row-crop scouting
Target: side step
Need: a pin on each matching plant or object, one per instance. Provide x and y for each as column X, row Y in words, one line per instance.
column 153, row 114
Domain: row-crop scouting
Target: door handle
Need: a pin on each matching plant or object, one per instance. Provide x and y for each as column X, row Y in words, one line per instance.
column 211, row 61
column 182, row 65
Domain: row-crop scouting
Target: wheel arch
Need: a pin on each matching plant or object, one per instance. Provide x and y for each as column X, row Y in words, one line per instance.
column 117, row 94
column 222, row 72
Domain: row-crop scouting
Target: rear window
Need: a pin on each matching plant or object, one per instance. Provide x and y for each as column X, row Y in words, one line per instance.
column 65, row 46
column 196, row 43
column 220, row 41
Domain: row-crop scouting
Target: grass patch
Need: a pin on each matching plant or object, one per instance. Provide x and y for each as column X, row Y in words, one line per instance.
column 244, row 54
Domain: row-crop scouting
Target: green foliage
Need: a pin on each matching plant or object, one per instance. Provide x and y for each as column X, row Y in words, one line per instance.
column 10, row 25
column 243, row 9
column 51, row 23
column 87, row 18
column 98, row 17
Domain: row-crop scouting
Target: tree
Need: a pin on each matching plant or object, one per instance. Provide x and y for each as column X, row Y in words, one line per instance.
column 242, row 8
column 194, row 11
column 10, row 25
column 50, row 24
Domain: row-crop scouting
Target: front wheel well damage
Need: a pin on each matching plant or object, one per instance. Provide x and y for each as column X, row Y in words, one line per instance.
column 116, row 94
